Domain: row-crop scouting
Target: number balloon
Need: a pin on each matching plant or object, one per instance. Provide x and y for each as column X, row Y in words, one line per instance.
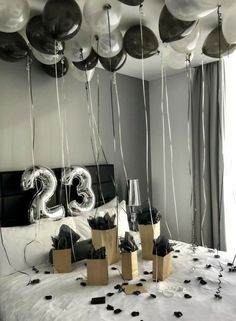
column 84, row 189
column 48, row 182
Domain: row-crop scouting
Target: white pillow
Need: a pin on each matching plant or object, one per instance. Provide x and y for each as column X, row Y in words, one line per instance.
column 81, row 221
column 16, row 238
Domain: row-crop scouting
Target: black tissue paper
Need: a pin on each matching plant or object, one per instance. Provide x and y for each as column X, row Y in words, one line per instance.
column 105, row 222
column 144, row 217
column 127, row 244
column 161, row 246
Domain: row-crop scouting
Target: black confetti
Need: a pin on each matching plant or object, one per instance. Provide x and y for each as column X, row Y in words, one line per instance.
column 229, row 264
column 177, row 251
column 117, row 311
column 113, row 268
column 178, row 314
column 139, row 284
column 83, row 283
column 146, row 273
column 187, row 296
column 110, row 294
column 175, row 256
column 135, row 314
column 136, row 292
column 153, row 296
column 199, row 278
column 35, row 281
column 187, row 281
column 48, row 297
column 125, row 283
column 143, row 280
column 47, row 272
column 79, row 279
column 117, row 287
column 203, row 282
column 216, row 256
column 195, row 259
column 218, row 296
column 110, row 307
column 208, row 266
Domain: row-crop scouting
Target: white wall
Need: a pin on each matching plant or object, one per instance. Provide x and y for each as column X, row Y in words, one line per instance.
column 15, row 142
column 178, row 106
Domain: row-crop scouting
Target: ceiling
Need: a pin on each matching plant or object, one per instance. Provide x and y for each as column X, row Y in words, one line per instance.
column 152, row 9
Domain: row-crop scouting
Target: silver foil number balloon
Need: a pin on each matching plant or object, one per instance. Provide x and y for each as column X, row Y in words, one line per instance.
column 45, row 181
column 84, row 189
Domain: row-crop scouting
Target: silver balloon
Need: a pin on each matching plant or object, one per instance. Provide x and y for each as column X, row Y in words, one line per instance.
column 107, row 46
column 84, row 189
column 46, row 59
column 46, row 180
column 188, row 43
column 229, row 25
column 79, row 47
column 81, row 75
column 177, row 60
column 14, row 14
column 190, row 10
column 96, row 14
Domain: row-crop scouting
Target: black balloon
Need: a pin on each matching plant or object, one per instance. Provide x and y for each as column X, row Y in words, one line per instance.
column 114, row 63
column 133, row 43
column 62, row 18
column 89, row 63
column 132, row 2
column 12, row 47
column 40, row 39
column 215, row 45
column 173, row 29
column 59, row 70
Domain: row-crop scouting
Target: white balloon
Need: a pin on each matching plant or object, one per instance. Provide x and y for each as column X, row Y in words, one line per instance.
column 96, row 14
column 14, row 14
column 79, row 47
column 229, row 24
column 46, row 59
column 190, row 10
column 176, row 60
column 188, row 43
column 81, row 75
column 107, row 46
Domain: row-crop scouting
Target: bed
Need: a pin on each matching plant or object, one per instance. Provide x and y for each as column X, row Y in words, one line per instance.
column 66, row 296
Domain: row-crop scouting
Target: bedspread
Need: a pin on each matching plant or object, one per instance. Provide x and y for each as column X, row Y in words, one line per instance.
column 71, row 299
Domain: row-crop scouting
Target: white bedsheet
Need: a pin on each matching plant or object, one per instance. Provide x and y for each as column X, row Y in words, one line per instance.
column 71, row 302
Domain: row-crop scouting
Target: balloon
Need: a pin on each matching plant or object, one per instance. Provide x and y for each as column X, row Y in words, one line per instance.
column 96, row 14
column 177, row 60
column 214, row 48
column 132, row 2
column 62, row 18
column 81, row 75
column 89, row 63
column 46, row 59
column 48, row 184
column 133, row 43
column 14, row 15
column 229, row 24
column 12, row 47
column 84, row 189
column 40, row 39
column 114, row 63
column 79, row 47
column 190, row 10
column 188, row 43
column 58, row 70
column 171, row 28
column 108, row 46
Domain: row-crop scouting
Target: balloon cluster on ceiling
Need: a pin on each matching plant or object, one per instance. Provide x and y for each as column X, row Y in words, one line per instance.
column 58, row 39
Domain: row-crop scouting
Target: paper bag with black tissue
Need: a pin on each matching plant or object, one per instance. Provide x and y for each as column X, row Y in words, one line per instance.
column 129, row 259
column 104, row 234
column 97, row 267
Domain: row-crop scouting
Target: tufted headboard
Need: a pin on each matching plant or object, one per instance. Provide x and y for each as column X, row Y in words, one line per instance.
column 14, row 202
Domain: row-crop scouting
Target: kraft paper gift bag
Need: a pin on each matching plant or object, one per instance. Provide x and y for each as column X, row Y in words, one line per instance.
column 129, row 264
column 161, row 266
column 148, row 233
column 62, row 261
column 109, row 240
column 97, row 272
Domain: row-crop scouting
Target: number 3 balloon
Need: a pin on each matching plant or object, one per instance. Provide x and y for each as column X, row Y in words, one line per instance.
column 47, row 182
column 84, row 189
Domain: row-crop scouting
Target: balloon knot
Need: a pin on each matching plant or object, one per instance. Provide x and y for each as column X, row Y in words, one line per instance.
column 107, row 6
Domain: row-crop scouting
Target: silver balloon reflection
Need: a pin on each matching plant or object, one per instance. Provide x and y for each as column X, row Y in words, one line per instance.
column 47, row 182
column 102, row 14
column 106, row 45
column 46, row 59
column 14, row 14
column 84, row 189
column 79, row 47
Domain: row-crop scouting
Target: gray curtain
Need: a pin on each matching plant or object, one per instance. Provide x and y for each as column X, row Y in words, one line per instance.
column 208, row 231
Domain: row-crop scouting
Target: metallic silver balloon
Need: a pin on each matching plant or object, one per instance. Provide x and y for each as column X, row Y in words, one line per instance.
column 84, row 189
column 107, row 45
column 96, row 14
column 46, row 59
column 14, row 14
column 79, row 47
column 46, row 180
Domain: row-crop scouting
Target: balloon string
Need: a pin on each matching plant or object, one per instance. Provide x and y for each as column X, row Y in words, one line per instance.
column 171, row 155
column 164, row 147
column 119, row 127
column 146, row 117
column 204, row 155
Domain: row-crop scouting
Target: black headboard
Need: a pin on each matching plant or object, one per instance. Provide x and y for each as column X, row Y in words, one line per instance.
column 14, row 202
